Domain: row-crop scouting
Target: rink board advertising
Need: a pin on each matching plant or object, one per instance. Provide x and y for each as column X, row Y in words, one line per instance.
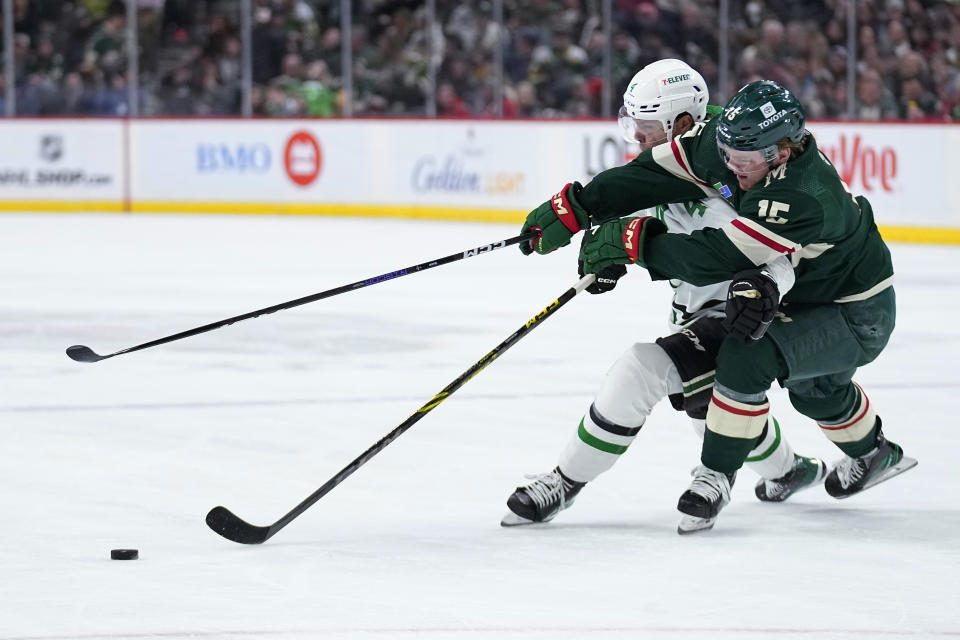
column 54, row 165
column 465, row 170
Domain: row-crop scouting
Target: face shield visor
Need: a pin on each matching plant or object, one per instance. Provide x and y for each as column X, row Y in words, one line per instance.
column 646, row 133
column 748, row 163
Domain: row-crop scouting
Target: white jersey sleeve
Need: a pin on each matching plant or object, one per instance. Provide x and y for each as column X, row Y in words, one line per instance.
column 782, row 271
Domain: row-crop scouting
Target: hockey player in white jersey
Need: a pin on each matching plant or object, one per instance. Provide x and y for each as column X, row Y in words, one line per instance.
column 665, row 99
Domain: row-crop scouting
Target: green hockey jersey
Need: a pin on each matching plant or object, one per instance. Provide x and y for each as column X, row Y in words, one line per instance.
column 801, row 209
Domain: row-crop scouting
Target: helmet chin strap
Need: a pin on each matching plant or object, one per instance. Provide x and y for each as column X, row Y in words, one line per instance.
column 667, row 138
column 770, row 155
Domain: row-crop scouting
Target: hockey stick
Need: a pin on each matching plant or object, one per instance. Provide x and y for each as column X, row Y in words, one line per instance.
column 83, row 353
column 224, row 522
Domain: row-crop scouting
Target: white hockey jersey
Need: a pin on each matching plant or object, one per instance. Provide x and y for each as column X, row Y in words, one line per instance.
column 690, row 302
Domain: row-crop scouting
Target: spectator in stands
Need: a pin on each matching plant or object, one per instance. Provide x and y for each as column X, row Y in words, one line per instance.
column 330, row 50
column 319, row 95
column 449, row 104
column 519, row 57
column 76, row 97
column 109, row 38
column 177, row 95
column 916, row 103
column 874, row 101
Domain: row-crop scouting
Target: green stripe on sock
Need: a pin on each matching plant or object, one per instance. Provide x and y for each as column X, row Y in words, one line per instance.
column 694, row 387
column 597, row 443
column 771, row 448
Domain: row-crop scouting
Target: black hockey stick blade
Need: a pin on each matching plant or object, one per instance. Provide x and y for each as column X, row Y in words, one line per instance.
column 231, row 527
column 83, row 353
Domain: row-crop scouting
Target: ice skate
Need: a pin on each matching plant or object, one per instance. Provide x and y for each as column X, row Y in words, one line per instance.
column 853, row 475
column 541, row 500
column 701, row 503
column 805, row 473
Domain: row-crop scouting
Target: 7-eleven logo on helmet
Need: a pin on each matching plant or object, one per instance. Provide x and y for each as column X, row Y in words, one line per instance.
column 675, row 79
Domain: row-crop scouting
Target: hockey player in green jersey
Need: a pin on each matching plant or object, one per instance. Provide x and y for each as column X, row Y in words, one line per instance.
column 664, row 100
column 838, row 315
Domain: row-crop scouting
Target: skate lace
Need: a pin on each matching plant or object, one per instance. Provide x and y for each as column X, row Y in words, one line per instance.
column 778, row 486
column 546, row 488
column 850, row 470
column 710, row 484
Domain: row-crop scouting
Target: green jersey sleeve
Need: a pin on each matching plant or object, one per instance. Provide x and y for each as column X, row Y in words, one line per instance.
column 653, row 177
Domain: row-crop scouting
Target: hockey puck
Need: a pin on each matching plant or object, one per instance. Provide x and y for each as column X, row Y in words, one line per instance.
column 124, row 554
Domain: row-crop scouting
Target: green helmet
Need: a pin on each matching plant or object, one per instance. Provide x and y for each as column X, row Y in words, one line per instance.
column 760, row 115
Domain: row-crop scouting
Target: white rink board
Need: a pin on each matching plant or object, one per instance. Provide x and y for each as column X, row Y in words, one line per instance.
column 61, row 160
column 904, row 170
column 451, row 163
column 476, row 169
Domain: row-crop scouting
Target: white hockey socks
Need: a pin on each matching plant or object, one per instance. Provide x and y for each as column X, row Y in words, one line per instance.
column 641, row 377
column 597, row 445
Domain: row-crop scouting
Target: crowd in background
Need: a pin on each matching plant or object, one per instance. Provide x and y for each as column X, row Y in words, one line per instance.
column 70, row 55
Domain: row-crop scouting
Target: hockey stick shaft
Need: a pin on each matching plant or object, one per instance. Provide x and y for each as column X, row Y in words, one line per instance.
column 228, row 525
column 82, row 353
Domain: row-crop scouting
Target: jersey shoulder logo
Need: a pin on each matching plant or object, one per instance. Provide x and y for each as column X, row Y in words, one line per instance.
column 777, row 173
column 723, row 189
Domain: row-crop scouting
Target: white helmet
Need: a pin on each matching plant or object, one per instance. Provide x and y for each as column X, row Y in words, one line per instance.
column 663, row 90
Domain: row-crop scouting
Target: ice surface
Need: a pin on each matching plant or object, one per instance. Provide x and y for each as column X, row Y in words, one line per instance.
column 133, row 451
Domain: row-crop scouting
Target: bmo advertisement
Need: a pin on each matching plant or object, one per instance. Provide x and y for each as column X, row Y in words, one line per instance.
column 201, row 163
column 353, row 166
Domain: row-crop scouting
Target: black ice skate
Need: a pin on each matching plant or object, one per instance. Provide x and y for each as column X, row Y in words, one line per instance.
column 853, row 475
column 541, row 500
column 708, row 494
column 805, row 473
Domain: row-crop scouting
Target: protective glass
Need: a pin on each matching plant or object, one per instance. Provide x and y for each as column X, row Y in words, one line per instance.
column 646, row 133
column 747, row 162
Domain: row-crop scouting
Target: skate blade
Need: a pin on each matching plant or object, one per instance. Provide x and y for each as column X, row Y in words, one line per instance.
column 693, row 524
column 906, row 463
column 513, row 520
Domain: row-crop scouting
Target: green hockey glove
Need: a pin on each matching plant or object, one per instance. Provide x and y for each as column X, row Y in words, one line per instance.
column 556, row 220
column 618, row 242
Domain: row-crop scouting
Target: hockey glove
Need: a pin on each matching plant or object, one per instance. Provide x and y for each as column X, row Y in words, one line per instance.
column 556, row 220
column 618, row 242
column 752, row 302
column 606, row 278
